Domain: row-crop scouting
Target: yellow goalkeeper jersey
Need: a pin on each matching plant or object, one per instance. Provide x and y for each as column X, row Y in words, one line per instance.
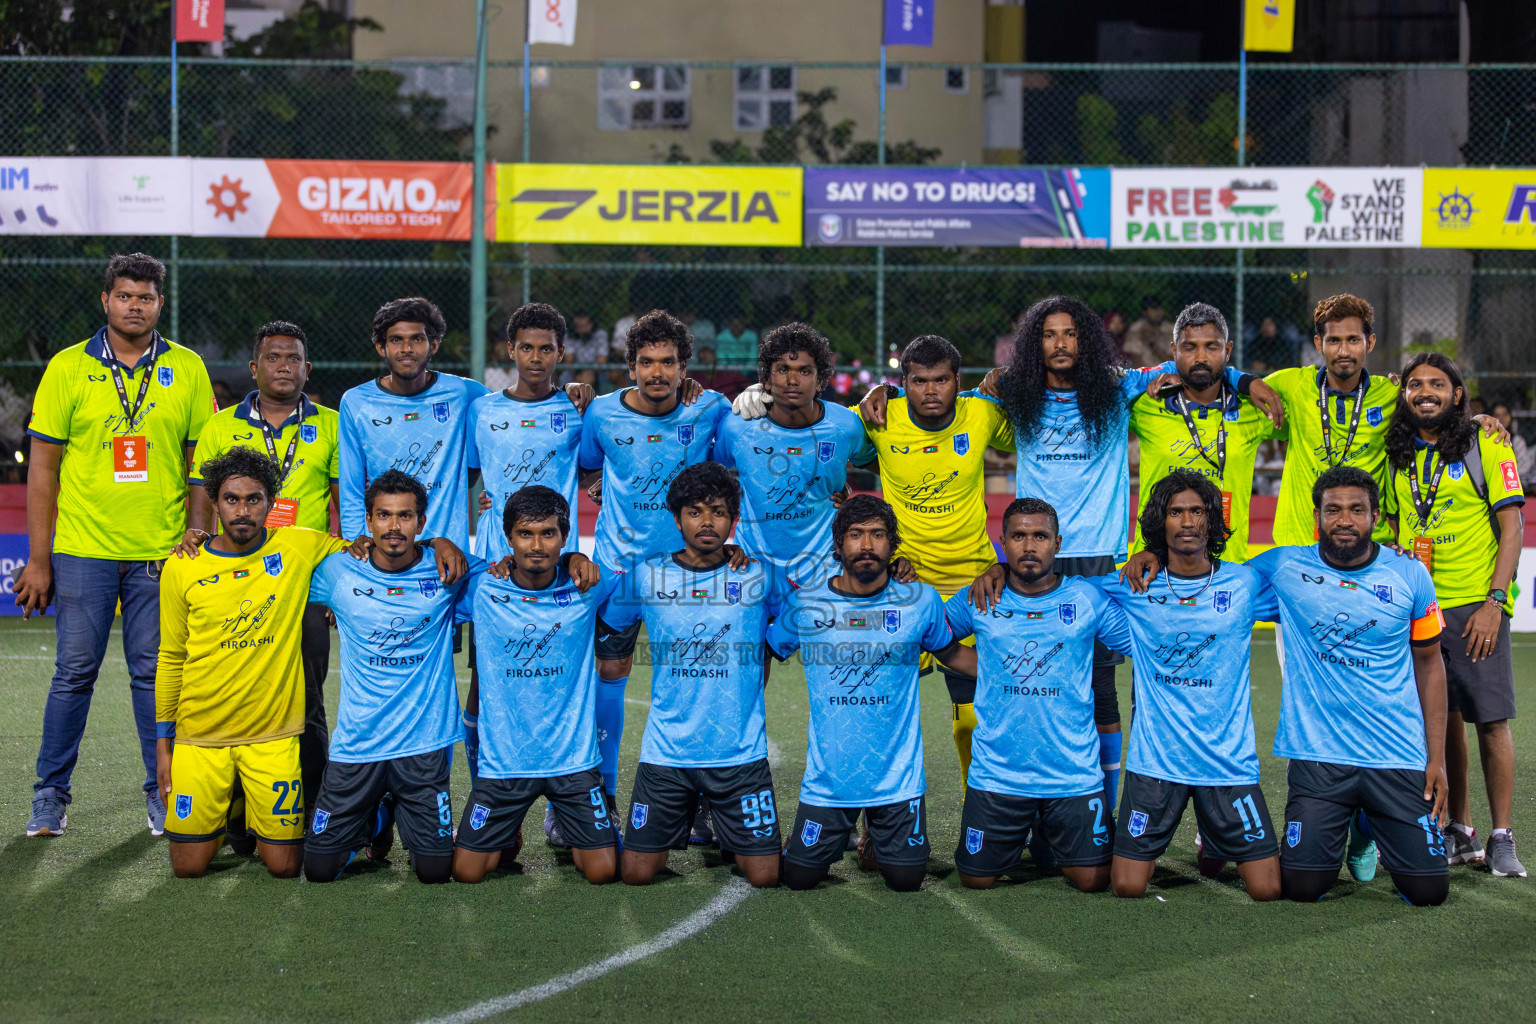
column 229, row 671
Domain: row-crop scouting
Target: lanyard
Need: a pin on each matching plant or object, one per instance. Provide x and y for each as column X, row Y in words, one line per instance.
column 1426, row 504
column 1354, row 419
column 1220, row 462
column 132, row 412
column 267, row 434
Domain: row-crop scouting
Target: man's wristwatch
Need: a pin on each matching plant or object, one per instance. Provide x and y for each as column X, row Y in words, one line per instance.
column 1498, row 596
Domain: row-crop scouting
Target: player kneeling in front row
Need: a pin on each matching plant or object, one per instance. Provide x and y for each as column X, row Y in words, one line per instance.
column 398, row 715
column 1035, row 751
column 1192, row 737
column 538, row 695
column 705, row 737
column 861, row 635
column 229, row 685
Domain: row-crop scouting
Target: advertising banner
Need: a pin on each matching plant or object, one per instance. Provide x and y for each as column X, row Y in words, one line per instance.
column 14, row 551
column 140, row 195
column 908, row 23
column 1471, row 208
column 45, row 196
column 1065, row 207
column 1271, row 207
column 660, row 204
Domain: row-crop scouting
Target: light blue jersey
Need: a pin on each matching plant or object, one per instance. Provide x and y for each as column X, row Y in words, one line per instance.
column 1090, row 488
column 398, row 694
column 425, row 435
column 517, row 442
column 865, row 742
column 706, row 629
column 788, row 477
column 1350, row 694
column 1190, row 644
column 538, row 675
column 640, row 455
column 1034, row 734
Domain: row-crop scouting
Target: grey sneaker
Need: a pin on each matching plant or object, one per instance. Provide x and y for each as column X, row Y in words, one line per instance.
column 156, row 808
column 552, row 833
column 1461, row 848
column 1502, row 862
column 703, row 832
column 49, row 815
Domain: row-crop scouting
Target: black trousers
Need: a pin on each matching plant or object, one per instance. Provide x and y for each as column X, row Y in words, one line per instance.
column 315, row 650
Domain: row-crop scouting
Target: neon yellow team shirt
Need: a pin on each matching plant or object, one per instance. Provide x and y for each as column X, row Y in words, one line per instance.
column 109, row 507
column 1460, row 526
column 936, row 483
column 315, row 459
column 1306, row 457
column 229, row 672
column 1166, row 445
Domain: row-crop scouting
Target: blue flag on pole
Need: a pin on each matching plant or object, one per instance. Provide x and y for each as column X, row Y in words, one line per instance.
column 909, row 22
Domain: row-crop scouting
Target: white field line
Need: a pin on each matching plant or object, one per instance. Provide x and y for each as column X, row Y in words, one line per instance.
column 725, row 901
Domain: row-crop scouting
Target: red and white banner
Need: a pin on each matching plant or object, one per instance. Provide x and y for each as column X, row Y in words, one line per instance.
column 199, row 21
column 552, row 21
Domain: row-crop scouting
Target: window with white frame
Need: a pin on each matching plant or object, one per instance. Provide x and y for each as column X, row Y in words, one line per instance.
column 957, row 80
column 895, row 76
column 643, row 96
column 765, row 97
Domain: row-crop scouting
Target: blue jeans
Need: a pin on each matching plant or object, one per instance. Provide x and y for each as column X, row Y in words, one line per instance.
column 86, row 593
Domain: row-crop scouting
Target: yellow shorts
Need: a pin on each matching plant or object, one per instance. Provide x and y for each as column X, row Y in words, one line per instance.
column 203, row 778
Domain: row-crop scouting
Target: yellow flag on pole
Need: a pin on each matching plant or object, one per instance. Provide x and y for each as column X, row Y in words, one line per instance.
column 1269, row 25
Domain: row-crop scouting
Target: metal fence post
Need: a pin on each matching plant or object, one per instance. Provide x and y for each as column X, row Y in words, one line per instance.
column 173, row 289
column 527, row 133
column 880, row 249
column 1242, row 159
column 477, row 268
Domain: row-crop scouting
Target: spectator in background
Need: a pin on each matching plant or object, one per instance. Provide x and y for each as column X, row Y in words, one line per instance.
column 1274, row 344
column 1002, row 345
column 729, row 383
column 1149, row 340
column 737, row 344
column 702, row 329
column 1525, row 458
column 586, row 343
column 618, row 377
column 1477, row 407
column 1114, row 326
column 223, row 397
column 501, row 373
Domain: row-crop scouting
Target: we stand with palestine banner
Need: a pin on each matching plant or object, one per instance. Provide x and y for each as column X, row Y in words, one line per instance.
column 1089, row 207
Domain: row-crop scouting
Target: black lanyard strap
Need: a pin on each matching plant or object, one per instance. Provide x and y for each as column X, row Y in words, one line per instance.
column 132, row 412
column 1354, row 419
column 1426, row 503
column 1220, row 462
column 268, row 435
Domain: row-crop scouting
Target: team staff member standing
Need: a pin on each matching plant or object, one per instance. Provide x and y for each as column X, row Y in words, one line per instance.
column 110, row 427
column 1449, row 488
column 301, row 439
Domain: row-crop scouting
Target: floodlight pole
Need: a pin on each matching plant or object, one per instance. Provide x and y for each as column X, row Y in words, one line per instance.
column 477, row 252
column 1239, row 332
column 173, row 283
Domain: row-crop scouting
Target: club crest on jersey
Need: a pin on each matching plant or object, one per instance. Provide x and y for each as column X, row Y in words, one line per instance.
column 183, row 805
column 1222, row 602
column 1373, row 415
column 1457, row 470
column 824, row 450
column 322, row 819
column 557, row 422
column 1138, row 825
column 478, row 815
column 685, row 433
column 973, row 838
column 309, row 433
column 810, row 832
column 639, row 814
column 166, row 375
column 1383, row 592
column 440, row 411
column 892, row 620
column 732, row 593
column 562, row 598
column 428, row 587
column 1068, row 613
column 1231, row 415
column 962, row 442
column 273, row 563
column 1292, row 833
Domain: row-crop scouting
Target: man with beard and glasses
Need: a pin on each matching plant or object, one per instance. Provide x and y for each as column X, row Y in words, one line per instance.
column 861, row 636
column 398, row 716
column 1456, row 498
column 1035, row 762
column 705, row 738
column 1192, row 737
column 1362, row 710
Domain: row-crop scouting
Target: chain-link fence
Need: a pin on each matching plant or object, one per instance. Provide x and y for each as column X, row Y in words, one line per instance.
column 1476, row 305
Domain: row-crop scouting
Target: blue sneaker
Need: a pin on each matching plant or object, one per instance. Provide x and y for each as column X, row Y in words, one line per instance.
column 1361, row 856
column 49, row 815
column 156, row 808
column 552, row 833
column 383, row 829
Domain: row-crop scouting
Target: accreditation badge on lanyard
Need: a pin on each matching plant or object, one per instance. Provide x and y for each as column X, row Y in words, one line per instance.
column 1219, row 463
column 130, row 452
column 1424, row 505
column 284, row 511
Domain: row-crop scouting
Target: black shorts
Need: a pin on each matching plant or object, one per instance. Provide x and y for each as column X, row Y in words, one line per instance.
column 1087, row 566
column 617, row 646
column 993, row 827
column 740, row 800
column 497, row 807
column 1234, row 820
column 344, row 812
column 899, row 832
column 1323, row 797
column 1483, row 691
